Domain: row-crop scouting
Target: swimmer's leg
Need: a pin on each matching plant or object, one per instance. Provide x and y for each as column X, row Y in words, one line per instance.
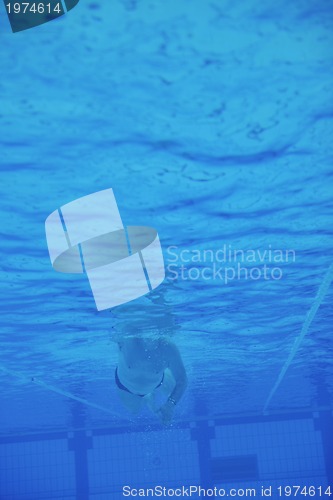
column 157, row 397
column 132, row 402
column 150, row 400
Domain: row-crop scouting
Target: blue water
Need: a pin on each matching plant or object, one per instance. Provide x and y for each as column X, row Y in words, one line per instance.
column 212, row 122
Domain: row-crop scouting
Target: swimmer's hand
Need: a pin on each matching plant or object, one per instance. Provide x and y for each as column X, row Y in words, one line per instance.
column 165, row 413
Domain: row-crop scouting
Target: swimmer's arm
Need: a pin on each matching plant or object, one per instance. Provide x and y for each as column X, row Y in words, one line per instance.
column 174, row 362
column 176, row 366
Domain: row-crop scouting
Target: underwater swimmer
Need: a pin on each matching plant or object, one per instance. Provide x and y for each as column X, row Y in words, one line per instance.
column 146, row 365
